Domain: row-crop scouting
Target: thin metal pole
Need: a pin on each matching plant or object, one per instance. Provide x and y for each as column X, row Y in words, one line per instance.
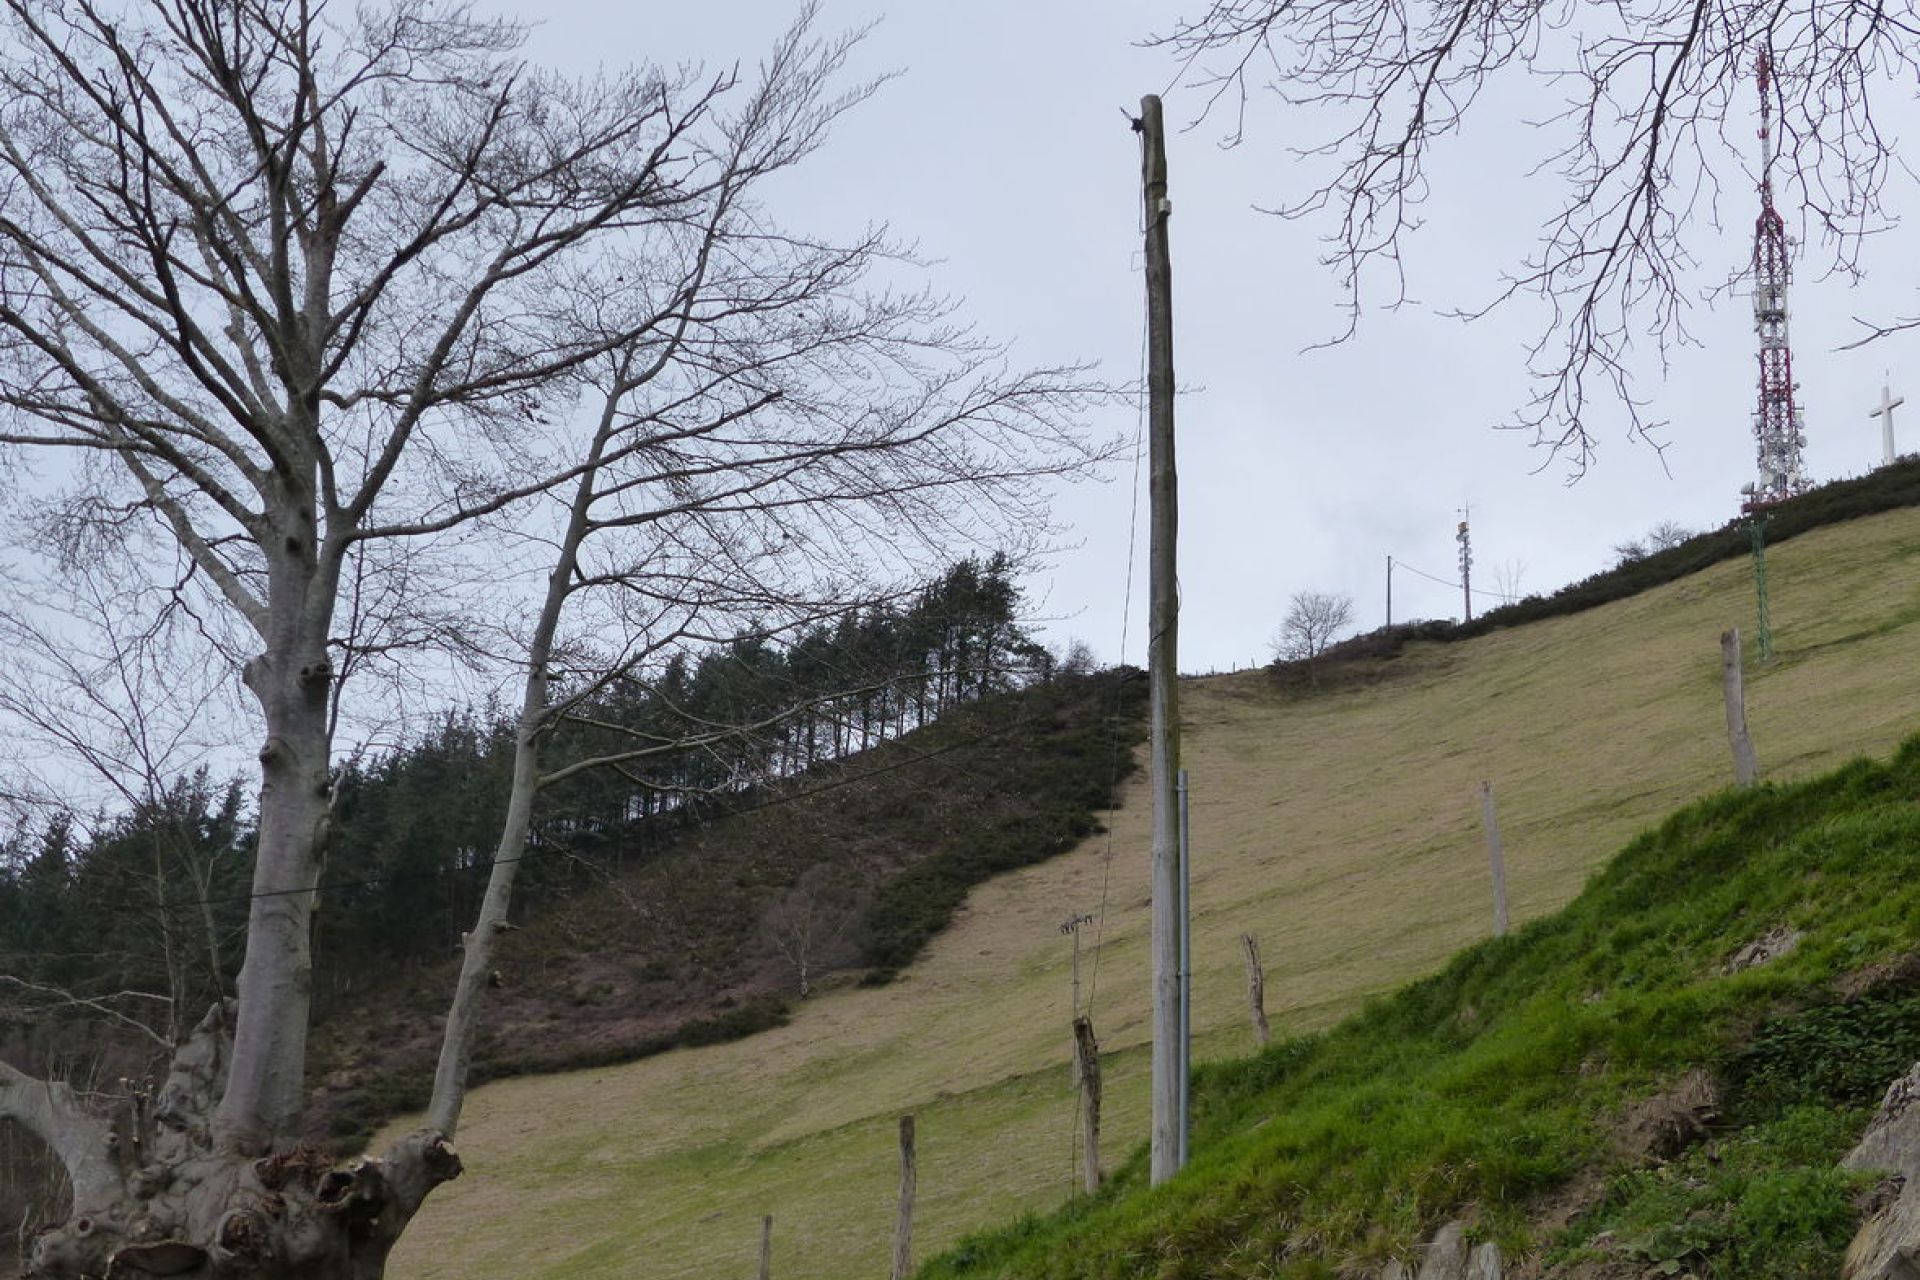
column 1389, row 591
column 1076, row 972
column 1757, row 525
column 1163, row 644
column 1496, row 860
column 1186, row 975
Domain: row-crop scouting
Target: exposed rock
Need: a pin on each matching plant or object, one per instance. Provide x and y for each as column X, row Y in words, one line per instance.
column 1902, row 973
column 1888, row 1244
column 1446, row 1257
column 1770, row 946
column 1892, row 1140
column 1396, row 1270
column 1484, row 1264
column 1885, row 1248
column 1661, row 1127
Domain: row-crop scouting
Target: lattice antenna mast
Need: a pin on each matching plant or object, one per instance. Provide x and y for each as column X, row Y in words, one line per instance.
column 1778, row 425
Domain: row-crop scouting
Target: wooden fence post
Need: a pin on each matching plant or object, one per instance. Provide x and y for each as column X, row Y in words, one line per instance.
column 1746, row 767
column 766, row 1247
column 1086, row 1069
column 1256, row 989
column 903, row 1225
column 1496, row 859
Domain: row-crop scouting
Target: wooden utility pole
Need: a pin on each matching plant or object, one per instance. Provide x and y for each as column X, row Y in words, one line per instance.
column 766, row 1247
column 1086, row 1070
column 1256, row 989
column 1163, row 647
column 903, row 1224
column 1496, row 859
column 1746, row 766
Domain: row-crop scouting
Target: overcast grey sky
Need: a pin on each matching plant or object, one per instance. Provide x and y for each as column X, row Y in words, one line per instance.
column 1002, row 149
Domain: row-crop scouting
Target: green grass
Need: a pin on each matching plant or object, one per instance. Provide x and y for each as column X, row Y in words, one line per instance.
column 1491, row 1085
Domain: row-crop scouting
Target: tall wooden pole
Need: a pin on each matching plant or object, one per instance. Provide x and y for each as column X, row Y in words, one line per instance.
column 1163, row 647
column 766, row 1247
column 1186, row 971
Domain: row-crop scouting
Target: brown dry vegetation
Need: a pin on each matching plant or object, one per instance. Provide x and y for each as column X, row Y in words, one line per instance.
column 1342, row 827
column 685, row 947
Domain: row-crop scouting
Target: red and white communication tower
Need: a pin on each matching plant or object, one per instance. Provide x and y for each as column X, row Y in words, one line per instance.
column 1777, row 422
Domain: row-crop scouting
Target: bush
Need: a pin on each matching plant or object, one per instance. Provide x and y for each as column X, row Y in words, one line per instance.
column 1837, row 1054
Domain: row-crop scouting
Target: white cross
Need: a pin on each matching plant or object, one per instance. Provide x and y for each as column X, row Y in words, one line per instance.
column 1888, row 403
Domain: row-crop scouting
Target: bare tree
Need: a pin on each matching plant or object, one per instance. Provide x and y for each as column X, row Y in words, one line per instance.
column 812, row 920
column 1507, row 579
column 1666, row 534
column 1638, row 100
column 313, row 297
column 1315, row 619
column 1663, row 536
column 127, row 700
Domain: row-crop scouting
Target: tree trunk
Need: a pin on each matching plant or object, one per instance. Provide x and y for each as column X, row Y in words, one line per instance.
column 292, row 681
column 478, row 945
column 477, row 965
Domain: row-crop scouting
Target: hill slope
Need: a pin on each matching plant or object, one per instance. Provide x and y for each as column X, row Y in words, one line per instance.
column 839, row 872
column 1342, row 827
column 1629, row 1086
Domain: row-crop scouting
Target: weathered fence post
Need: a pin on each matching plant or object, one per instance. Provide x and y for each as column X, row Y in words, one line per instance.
column 766, row 1247
column 1086, row 1071
column 1256, row 989
column 1496, row 859
column 1746, row 767
column 903, row 1225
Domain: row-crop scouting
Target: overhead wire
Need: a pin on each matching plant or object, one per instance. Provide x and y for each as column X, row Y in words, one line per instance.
column 1420, row 573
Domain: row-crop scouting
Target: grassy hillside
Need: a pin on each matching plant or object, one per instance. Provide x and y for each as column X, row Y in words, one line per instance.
column 1340, row 826
column 1514, row 1085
